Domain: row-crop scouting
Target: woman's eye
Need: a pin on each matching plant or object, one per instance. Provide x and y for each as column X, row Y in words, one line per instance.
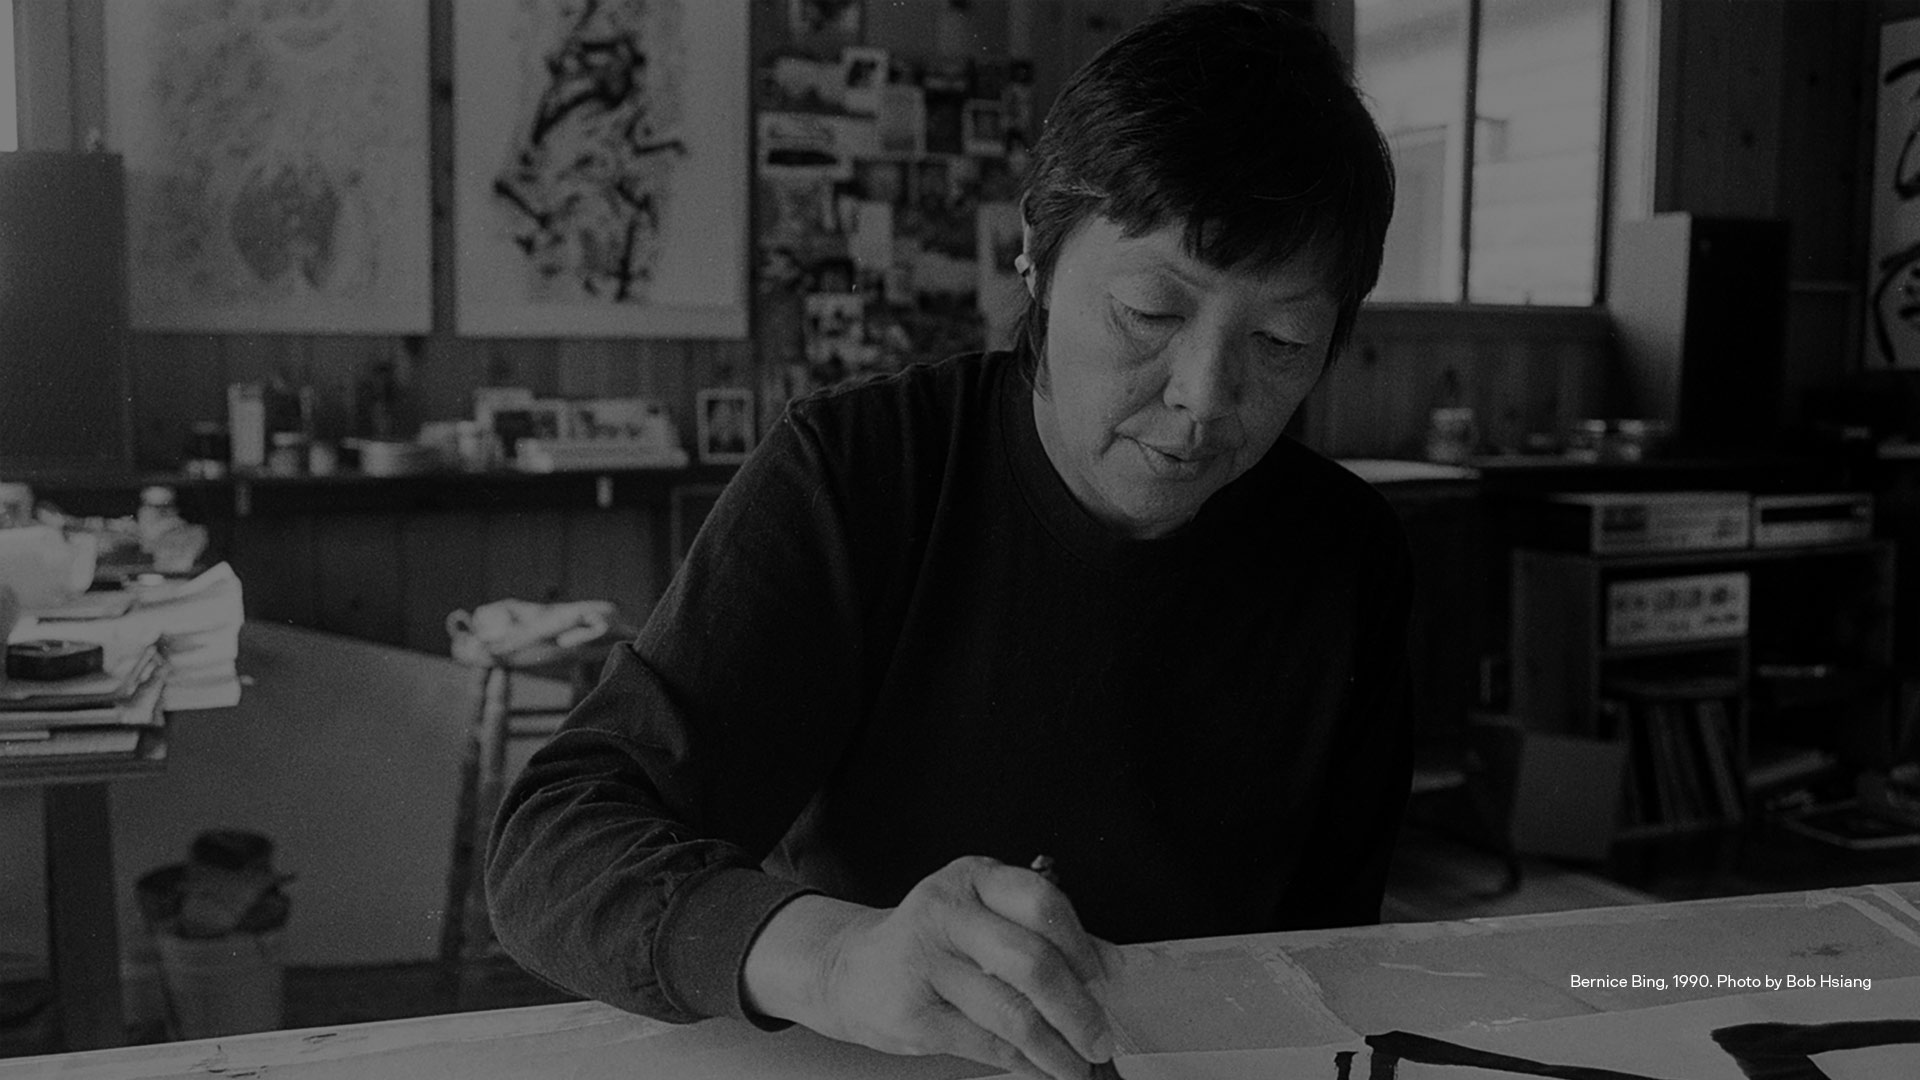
column 1280, row 347
column 1156, row 320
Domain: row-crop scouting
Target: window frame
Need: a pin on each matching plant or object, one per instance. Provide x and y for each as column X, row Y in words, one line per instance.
column 1341, row 22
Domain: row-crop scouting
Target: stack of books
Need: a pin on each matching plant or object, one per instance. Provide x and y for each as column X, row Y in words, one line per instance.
column 106, row 715
column 1683, row 747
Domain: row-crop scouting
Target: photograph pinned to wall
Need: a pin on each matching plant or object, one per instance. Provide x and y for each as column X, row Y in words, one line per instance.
column 836, row 342
column 1017, row 98
column 723, row 425
column 793, row 82
column 932, row 190
column 598, row 169
column 988, row 80
column 945, row 123
column 276, row 162
column 1893, row 309
column 796, row 212
column 831, row 274
column 942, row 215
column 881, row 180
column 946, row 85
column 983, row 129
column 870, row 243
column 813, row 145
column 902, row 120
column 863, row 74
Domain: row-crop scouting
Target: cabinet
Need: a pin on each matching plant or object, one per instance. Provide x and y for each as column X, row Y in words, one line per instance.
column 1803, row 683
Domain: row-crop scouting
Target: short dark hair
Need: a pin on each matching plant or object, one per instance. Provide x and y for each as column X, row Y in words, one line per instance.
column 1233, row 118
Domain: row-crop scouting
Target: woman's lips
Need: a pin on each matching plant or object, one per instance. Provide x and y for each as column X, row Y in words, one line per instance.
column 1175, row 464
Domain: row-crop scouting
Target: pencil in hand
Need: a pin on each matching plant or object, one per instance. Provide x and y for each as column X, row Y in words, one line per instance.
column 1043, row 865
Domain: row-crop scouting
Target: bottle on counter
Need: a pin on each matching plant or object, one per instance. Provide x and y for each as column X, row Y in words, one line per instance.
column 207, row 450
column 159, row 513
column 289, row 454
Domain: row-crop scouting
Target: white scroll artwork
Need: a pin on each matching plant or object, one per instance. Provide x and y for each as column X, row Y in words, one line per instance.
column 601, row 168
column 1893, row 270
column 276, row 158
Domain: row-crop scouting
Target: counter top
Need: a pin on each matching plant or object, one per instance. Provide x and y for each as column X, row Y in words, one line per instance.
column 251, row 494
column 259, row 494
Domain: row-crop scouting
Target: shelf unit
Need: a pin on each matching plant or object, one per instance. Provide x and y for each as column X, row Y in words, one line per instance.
column 1823, row 614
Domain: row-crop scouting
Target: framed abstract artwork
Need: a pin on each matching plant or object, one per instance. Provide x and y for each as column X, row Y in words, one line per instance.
column 276, row 162
column 1893, row 272
column 601, row 168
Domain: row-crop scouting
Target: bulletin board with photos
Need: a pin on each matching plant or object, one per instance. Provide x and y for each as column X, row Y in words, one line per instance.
column 885, row 188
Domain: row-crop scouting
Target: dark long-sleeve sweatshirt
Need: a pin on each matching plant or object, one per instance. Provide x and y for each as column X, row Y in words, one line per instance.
column 899, row 639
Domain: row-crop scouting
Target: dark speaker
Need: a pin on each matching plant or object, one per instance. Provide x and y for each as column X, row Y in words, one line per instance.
column 1699, row 308
column 65, row 402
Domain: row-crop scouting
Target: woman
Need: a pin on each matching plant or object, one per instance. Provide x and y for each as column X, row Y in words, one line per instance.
column 1081, row 599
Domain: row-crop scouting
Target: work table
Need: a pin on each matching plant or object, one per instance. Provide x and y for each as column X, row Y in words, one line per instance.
column 1225, row 1007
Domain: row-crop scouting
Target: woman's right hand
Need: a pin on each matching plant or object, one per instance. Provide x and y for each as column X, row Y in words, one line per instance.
column 983, row 960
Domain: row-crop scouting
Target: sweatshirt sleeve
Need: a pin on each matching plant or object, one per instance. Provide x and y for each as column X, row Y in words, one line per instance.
column 624, row 863
column 1353, row 835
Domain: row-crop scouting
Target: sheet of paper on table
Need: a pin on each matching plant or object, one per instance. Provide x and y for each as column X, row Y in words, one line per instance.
column 1696, row 1040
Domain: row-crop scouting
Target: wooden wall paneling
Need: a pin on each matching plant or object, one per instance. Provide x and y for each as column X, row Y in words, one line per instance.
column 1726, row 104
column 265, row 357
column 335, row 366
column 274, row 559
column 1521, row 382
column 609, row 556
column 176, row 379
column 1823, row 109
column 443, row 556
column 527, row 362
column 1503, row 396
column 1572, row 385
column 1377, row 400
column 357, row 563
column 445, row 375
column 905, row 28
column 665, row 374
column 584, row 368
column 1824, row 332
column 526, row 556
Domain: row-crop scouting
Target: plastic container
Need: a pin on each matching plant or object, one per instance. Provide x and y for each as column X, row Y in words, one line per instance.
column 228, row 985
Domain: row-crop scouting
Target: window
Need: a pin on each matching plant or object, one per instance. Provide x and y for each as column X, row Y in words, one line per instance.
column 1521, row 226
column 9, row 99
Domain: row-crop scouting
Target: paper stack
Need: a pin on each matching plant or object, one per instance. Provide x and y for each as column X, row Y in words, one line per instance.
column 88, row 716
column 193, row 624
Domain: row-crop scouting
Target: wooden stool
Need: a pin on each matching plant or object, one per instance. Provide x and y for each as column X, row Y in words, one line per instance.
column 466, row 932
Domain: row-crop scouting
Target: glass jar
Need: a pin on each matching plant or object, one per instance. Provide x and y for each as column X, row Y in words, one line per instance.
column 1452, row 435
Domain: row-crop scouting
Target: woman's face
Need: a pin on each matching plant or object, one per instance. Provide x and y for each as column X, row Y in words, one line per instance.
column 1167, row 378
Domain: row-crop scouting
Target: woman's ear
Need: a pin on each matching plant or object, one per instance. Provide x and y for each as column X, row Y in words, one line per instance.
column 1022, row 264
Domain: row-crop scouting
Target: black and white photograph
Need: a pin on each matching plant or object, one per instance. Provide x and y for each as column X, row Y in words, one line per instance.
column 723, row 423
column 949, row 539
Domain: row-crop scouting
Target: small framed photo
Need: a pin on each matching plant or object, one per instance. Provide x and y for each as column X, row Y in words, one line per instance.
column 723, row 425
column 984, row 128
column 543, row 419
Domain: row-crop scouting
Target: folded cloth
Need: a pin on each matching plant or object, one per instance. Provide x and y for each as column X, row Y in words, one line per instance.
column 520, row 633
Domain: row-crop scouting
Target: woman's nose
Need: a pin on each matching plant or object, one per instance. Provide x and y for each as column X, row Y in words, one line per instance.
column 1204, row 377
